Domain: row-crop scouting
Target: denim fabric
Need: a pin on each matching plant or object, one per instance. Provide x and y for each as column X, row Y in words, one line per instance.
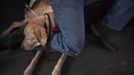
column 70, row 20
column 120, row 14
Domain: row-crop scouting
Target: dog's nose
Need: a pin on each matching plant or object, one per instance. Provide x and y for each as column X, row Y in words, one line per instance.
column 38, row 48
column 37, row 44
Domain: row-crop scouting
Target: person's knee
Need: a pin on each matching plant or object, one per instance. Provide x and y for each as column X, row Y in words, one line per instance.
column 74, row 47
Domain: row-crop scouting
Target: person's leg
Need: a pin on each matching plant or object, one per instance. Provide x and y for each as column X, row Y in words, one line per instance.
column 70, row 20
column 120, row 14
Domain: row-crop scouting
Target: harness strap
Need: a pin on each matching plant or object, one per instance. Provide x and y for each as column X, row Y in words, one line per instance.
column 30, row 10
column 32, row 2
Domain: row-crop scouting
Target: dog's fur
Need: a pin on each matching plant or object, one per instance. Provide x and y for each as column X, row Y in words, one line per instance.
column 34, row 32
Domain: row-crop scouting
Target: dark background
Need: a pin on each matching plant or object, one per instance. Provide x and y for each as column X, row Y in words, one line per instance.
column 95, row 59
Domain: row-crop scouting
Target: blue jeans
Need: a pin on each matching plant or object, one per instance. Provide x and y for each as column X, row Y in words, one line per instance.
column 120, row 14
column 70, row 20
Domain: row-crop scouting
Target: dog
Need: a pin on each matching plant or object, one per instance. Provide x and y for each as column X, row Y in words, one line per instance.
column 35, row 33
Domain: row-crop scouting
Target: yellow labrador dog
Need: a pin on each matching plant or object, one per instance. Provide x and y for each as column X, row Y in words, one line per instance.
column 34, row 25
column 36, row 33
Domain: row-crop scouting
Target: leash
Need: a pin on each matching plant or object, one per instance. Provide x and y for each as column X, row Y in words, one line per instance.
column 48, row 26
column 30, row 9
column 31, row 3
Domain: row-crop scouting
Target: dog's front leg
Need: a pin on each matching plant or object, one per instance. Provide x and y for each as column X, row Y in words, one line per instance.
column 58, row 67
column 29, row 70
column 14, row 25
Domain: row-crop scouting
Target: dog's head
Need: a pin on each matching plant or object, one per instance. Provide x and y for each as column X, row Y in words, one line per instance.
column 35, row 33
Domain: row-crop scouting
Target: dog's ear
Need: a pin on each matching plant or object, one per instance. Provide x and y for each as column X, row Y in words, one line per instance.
column 44, row 37
column 41, row 36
